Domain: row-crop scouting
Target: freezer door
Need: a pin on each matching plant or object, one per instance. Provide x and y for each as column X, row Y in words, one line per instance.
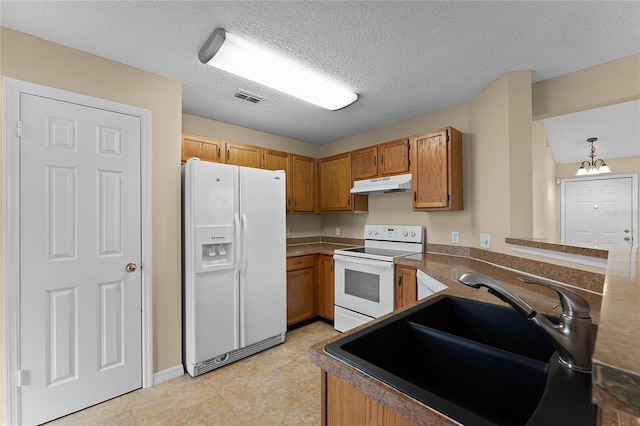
column 211, row 291
column 263, row 274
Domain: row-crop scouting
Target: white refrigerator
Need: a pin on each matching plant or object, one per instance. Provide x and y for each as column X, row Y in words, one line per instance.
column 234, row 263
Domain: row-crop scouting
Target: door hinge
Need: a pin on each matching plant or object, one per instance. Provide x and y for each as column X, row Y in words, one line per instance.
column 22, row 378
column 19, row 128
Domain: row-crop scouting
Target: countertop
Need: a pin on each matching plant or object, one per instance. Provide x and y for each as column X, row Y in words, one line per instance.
column 616, row 360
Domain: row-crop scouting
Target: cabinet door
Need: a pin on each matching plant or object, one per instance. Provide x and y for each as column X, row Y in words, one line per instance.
column 325, row 286
column 303, row 184
column 406, row 286
column 343, row 404
column 335, row 183
column 365, row 163
column 206, row 149
column 436, row 166
column 393, row 157
column 244, row 155
column 278, row 160
column 299, row 295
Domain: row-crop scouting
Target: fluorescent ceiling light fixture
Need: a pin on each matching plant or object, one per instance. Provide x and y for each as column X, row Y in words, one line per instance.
column 231, row 53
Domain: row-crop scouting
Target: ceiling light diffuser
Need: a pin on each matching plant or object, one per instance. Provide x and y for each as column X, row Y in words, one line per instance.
column 231, row 53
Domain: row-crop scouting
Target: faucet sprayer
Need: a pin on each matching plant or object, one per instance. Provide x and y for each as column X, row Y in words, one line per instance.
column 572, row 337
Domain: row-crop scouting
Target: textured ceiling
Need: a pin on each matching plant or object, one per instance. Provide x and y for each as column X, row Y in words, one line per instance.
column 404, row 59
column 617, row 128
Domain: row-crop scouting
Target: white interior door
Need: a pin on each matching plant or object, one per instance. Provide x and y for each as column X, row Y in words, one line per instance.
column 80, row 308
column 598, row 212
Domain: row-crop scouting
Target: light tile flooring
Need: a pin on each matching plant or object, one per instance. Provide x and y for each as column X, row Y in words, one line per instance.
column 279, row 386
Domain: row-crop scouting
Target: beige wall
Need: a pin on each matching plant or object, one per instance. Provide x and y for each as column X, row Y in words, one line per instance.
column 546, row 211
column 606, row 84
column 496, row 125
column 27, row 58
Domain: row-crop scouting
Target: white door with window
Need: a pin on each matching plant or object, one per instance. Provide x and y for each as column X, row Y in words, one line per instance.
column 599, row 212
column 80, row 256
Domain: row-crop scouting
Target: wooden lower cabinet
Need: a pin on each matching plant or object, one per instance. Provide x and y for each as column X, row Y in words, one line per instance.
column 300, row 289
column 325, row 305
column 406, row 286
column 344, row 405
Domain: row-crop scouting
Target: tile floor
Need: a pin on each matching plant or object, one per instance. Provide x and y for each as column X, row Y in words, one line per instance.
column 279, row 386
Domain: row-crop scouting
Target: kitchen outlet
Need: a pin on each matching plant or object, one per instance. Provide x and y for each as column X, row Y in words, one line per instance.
column 485, row 240
column 287, row 232
column 455, row 237
column 337, row 231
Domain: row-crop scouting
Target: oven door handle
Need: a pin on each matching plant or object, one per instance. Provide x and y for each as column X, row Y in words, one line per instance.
column 357, row 261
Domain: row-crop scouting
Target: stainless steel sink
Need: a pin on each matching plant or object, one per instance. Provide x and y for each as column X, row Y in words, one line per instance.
column 475, row 362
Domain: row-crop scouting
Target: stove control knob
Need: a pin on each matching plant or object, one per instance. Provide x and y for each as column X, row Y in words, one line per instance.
column 413, row 233
column 406, row 233
column 370, row 232
column 375, row 232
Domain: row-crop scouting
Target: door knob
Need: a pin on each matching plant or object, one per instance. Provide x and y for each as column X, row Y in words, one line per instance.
column 626, row 231
column 131, row 267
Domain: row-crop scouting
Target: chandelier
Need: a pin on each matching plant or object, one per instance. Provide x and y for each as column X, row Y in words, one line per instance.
column 592, row 167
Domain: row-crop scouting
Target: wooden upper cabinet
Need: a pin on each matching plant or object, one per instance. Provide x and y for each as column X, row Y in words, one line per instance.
column 335, row 183
column 206, row 149
column 335, row 186
column 365, row 163
column 276, row 160
column 303, row 185
column 436, row 166
column 389, row 158
column 244, row 155
column 393, row 157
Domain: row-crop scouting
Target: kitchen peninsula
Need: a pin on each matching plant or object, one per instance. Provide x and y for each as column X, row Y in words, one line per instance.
column 348, row 393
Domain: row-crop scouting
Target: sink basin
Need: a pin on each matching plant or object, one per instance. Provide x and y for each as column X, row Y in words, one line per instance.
column 475, row 362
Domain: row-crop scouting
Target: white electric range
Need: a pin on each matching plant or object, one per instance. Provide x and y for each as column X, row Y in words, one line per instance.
column 365, row 276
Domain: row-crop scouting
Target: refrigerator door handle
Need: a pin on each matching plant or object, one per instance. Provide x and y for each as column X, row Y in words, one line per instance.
column 245, row 241
column 236, row 222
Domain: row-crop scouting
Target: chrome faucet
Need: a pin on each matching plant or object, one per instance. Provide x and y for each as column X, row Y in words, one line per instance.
column 572, row 338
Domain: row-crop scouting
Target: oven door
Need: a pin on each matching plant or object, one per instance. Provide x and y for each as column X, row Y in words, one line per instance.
column 364, row 285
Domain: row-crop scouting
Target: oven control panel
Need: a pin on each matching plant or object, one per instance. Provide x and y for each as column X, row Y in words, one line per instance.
column 402, row 233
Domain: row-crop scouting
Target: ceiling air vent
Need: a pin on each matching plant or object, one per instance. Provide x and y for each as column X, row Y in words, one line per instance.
column 248, row 96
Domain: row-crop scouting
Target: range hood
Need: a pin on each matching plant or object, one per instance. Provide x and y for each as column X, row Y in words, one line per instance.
column 376, row 186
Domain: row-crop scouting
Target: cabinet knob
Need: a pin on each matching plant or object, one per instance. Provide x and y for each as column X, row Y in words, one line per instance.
column 218, row 153
column 228, row 154
column 374, row 160
column 382, row 159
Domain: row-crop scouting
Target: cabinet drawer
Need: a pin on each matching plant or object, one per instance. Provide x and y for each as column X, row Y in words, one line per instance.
column 299, row 262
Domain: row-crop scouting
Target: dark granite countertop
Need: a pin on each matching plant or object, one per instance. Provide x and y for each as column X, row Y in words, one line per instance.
column 559, row 247
column 446, row 268
column 616, row 360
